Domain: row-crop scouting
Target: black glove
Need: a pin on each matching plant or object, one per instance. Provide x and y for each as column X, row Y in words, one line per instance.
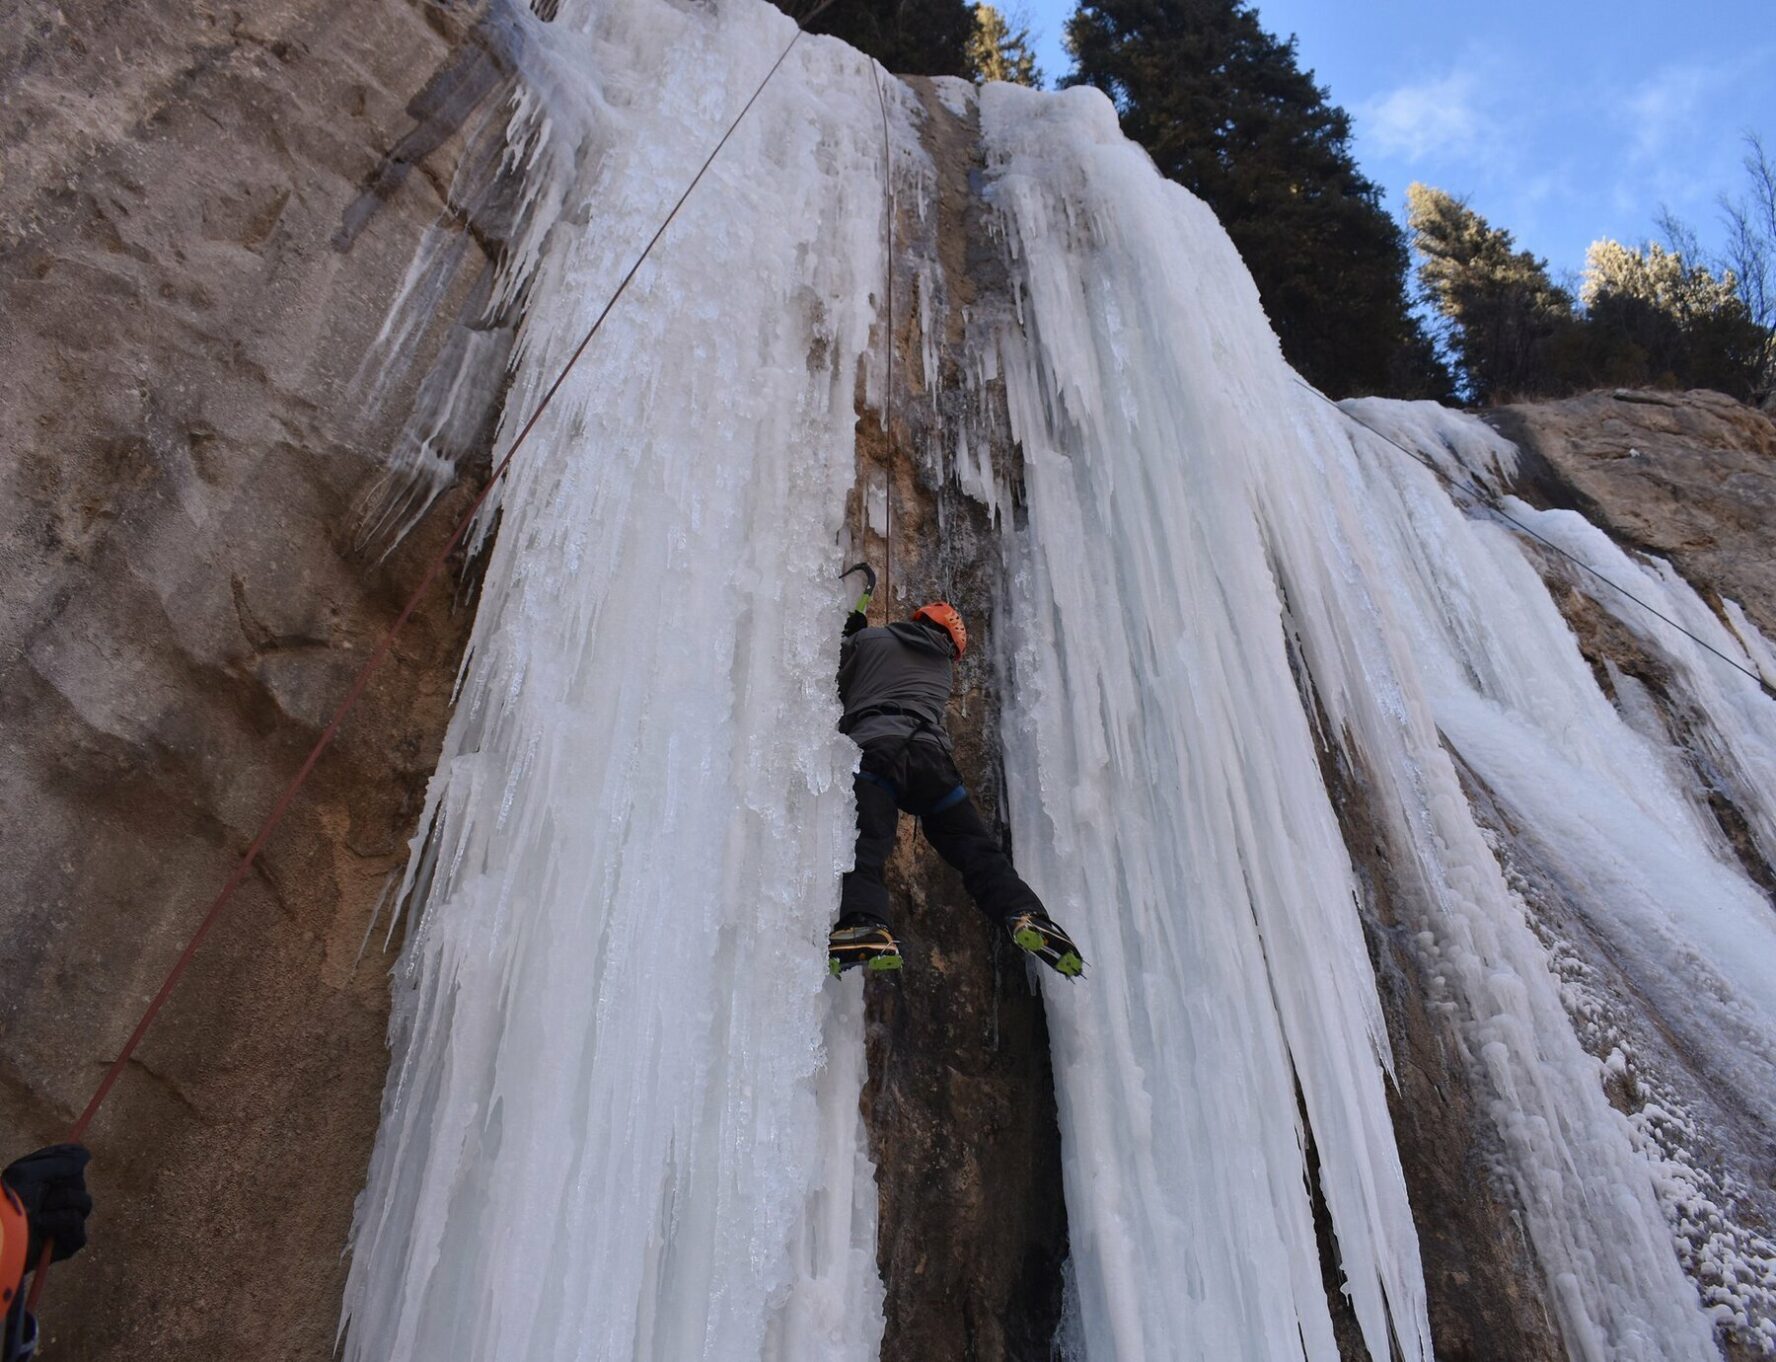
column 51, row 1186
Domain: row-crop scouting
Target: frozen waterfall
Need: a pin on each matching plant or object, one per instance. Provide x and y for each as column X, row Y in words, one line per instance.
column 622, row 1120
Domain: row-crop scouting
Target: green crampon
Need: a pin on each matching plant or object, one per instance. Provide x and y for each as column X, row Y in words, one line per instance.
column 1048, row 943
column 881, row 964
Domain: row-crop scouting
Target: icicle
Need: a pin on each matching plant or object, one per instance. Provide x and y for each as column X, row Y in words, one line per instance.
column 622, row 1120
column 1191, row 508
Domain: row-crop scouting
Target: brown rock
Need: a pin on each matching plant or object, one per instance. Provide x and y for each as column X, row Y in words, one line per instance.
column 182, row 610
column 1688, row 476
column 960, row 1100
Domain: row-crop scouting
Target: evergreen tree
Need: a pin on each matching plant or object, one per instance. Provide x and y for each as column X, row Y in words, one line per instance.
column 1656, row 319
column 997, row 51
column 909, row 37
column 1224, row 109
column 1649, row 316
column 1512, row 330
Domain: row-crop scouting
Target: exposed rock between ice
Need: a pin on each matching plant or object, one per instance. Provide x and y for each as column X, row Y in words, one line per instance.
column 1487, row 1295
column 960, row 1101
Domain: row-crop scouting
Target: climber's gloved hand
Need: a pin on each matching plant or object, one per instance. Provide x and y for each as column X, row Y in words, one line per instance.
column 51, row 1186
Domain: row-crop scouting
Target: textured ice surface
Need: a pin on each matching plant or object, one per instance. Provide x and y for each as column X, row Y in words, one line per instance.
column 1165, row 791
column 1197, row 518
column 622, row 1120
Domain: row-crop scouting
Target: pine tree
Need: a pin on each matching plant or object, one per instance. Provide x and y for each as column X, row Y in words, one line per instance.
column 1653, row 318
column 909, row 37
column 997, row 51
column 1224, row 109
column 1512, row 330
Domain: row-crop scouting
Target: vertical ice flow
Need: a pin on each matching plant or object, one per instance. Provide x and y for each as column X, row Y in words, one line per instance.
column 1179, row 815
column 1200, row 526
column 622, row 1120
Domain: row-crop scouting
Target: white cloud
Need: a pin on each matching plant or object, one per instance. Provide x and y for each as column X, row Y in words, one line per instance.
column 1440, row 118
column 1663, row 111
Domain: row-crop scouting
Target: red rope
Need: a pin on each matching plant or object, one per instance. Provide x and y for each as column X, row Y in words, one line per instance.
column 77, row 1131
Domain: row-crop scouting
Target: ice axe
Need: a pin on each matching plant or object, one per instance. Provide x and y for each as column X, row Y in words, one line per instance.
column 869, row 584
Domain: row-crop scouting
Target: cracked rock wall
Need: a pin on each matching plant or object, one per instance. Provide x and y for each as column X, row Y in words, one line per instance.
column 181, row 610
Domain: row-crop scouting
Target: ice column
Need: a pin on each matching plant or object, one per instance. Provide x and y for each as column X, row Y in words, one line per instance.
column 1179, row 818
column 1196, row 515
column 622, row 1120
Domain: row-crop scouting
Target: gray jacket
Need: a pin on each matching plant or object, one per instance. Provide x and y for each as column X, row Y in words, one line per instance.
column 904, row 665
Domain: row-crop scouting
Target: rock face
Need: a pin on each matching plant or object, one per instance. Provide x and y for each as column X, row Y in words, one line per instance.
column 182, row 607
column 1688, row 476
column 960, row 1101
column 1486, row 1295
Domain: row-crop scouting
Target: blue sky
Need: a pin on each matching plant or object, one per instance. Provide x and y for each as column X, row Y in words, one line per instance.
column 1562, row 120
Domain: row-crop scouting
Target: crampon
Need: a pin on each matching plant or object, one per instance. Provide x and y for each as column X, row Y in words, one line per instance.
column 865, row 944
column 1039, row 935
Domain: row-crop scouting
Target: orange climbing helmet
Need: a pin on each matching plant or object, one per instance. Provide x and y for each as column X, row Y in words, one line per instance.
column 947, row 618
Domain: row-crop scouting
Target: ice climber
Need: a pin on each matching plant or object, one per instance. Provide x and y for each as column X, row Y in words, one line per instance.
column 43, row 1204
column 895, row 682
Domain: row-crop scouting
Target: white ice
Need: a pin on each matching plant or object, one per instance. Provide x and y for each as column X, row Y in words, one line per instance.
column 1196, row 517
column 622, row 1121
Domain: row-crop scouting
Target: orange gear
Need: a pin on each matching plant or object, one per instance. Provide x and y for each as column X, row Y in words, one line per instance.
column 946, row 617
column 15, row 1236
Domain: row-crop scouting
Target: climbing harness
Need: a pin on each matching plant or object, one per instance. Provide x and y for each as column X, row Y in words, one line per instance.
column 1485, row 499
column 77, row 1132
column 887, row 347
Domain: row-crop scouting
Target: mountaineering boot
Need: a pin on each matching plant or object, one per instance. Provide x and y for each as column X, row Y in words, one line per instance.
column 865, row 941
column 1038, row 934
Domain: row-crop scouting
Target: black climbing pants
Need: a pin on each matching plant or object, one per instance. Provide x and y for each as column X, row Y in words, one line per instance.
column 918, row 777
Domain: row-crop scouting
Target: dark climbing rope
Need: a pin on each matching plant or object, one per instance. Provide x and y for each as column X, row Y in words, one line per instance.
column 1486, row 500
column 78, row 1131
column 888, row 349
